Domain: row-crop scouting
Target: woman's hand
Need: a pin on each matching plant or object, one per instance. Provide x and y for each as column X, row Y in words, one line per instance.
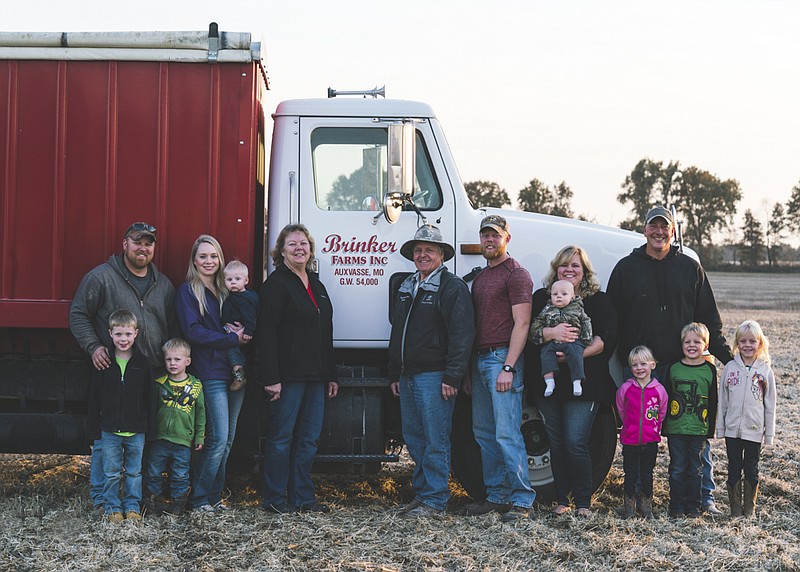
column 395, row 387
column 563, row 333
column 273, row 391
column 238, row 329
column 333, row 389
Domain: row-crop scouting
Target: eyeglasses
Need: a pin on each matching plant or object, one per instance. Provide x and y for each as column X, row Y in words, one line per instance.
column 141, row 226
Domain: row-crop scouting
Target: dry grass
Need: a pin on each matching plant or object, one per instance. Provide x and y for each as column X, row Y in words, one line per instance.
column 44, row 524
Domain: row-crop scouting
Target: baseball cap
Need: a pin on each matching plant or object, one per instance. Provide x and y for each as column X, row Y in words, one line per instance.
column 138, row 230
column 659, row 211
column 496, row 222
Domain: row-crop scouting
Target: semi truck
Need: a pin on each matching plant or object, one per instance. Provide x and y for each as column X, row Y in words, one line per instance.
column 98, row 130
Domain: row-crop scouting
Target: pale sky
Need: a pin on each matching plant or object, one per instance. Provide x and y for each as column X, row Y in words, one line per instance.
column 556, row 90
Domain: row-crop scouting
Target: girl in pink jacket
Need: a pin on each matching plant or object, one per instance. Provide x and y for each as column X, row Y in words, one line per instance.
column 642, row 404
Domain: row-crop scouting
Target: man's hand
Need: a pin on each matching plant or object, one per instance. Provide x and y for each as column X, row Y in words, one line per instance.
column 100, row 358
column 395, row 386
column 448, row 391
column 333, row 389
column 198, row 447
column 274, row 391
column 505, row 379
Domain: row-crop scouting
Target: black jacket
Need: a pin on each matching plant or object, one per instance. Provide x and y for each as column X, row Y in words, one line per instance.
column 434, row 330
column 241, row 307
column 295, row 338
column 117, row 405
column 655, row 299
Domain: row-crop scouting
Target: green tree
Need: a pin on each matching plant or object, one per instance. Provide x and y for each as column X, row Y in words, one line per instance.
column 775, row 229
column 347, row 192
column 706, row 203
column 793, row 209
column 486, row 194
column 650, row 183
column 539, row 198
column 751, row 250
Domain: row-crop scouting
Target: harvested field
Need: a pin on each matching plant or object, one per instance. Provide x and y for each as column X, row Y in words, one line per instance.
column 44, row 503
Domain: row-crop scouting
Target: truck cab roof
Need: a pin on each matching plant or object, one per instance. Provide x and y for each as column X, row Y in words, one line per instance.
column 356, row 107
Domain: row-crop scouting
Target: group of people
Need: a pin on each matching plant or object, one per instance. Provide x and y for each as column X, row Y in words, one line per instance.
column 144, row 338
column 491, row 341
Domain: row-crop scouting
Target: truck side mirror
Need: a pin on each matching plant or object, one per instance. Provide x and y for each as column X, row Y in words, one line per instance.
column 401, row 153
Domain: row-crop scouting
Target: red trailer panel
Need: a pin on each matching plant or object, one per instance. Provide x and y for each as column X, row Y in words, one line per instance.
column 88, row 147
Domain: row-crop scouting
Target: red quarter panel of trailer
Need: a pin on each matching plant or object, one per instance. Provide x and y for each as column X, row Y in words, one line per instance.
column 90, row 147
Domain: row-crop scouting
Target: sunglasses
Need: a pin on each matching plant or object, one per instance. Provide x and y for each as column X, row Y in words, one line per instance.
column 142, row 226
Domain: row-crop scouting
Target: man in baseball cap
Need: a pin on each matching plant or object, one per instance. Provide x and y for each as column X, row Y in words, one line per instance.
column 659, row 212
column 139, row 230
column 496, row 222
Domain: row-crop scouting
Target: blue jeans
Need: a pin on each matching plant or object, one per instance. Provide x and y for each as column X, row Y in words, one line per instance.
column 294, row 427
column 685, row 468
column 427, row 421
column 236, row 356
column 496, row 422
column 222, row 413
column 97, row 478
column 568, row 424
column 160, row 454
column 122, row 453
column 707, row 485
column 742, row 456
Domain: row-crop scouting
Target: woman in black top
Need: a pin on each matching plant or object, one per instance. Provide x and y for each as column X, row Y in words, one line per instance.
column 568, row 418
column 295, row 342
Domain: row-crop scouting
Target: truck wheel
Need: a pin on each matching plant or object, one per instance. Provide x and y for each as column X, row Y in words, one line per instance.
column 466, row 454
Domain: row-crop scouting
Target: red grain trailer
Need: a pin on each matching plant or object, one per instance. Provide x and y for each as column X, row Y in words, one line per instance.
column 164, row 127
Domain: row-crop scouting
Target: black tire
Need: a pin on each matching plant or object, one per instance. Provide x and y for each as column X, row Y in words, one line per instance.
column 466, row 454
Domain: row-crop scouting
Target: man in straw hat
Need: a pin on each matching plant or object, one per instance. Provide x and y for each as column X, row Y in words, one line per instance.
column 502, row 294
column 432, row 333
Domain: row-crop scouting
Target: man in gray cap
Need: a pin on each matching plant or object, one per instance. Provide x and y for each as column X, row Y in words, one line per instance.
column 656, row 291
column 502, row 294
column 432, row 333
column 127, row 280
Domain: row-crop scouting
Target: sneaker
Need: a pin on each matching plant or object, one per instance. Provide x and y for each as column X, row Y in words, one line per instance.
column 222, row 507
column 315, row 507
column 239, row 380
column 561, row 510
column 114, row 517
column 485, row 507
column 133, row 515
column 204, row 509
column 711, row 508
column 423, row 511
column 280, row 508
column 583, row 512
column 515, row 513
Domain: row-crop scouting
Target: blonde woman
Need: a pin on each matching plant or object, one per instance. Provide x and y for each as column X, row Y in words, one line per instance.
column 198, row 304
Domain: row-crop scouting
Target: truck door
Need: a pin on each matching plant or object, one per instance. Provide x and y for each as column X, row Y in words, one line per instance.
column 341, row 193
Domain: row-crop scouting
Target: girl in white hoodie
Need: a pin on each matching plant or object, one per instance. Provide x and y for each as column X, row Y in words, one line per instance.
column 746, row 416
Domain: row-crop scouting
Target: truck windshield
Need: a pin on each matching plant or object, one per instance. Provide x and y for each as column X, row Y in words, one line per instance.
column 350, row 170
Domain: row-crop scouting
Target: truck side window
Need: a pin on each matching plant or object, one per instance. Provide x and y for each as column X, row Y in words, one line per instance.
column 350, row 170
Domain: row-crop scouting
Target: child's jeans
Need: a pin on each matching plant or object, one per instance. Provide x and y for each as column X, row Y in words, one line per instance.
column 638, row 462
column 742, row 456
column 685, row 468
column 161, row 454
column 122, row 453
column 236, row 356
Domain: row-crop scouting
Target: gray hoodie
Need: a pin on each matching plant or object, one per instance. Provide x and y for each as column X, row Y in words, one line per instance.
column 105, row 289
column 747, row 401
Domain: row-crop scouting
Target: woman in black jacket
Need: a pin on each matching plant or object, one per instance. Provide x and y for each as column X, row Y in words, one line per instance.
column 568, row 418
column 295, row 342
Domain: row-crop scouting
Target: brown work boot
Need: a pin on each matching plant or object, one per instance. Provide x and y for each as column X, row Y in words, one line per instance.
column 647, row 506
column 750, row 494
column 627, row 509
column 735, row 498
column 239, row 380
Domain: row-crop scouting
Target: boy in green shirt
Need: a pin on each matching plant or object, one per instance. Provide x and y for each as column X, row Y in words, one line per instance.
column 692, row 388
column 180, row 426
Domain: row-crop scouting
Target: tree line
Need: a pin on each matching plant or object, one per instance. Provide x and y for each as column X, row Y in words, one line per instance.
column 706, row 203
